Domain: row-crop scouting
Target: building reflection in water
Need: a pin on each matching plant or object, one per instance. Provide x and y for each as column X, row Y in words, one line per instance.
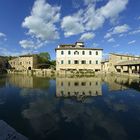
column 46, row 114
column 116, row 83
column 25, row 81
column 78, row 87
column 83, row 87
column 73, row 87
column 51, row 117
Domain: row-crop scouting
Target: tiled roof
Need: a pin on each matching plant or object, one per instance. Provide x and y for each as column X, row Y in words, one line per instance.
column 77, row 48
column 127, row 55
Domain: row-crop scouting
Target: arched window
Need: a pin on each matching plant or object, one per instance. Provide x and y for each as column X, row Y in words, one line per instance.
column 90, row 53
column 96, row 52
column 76, row 53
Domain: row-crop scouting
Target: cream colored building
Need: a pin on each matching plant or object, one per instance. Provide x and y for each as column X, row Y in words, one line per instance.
column 27, row 62
column 78, row 57
column 120, row 63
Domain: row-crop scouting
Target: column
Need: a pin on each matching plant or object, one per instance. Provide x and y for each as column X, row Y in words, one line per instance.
column 121, row 69
column 130, row 69
column 138, row 69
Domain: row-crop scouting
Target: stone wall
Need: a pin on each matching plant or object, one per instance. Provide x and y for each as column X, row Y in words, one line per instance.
column 23, row 63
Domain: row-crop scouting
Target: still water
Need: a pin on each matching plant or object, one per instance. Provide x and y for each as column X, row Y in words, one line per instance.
column 69, row 108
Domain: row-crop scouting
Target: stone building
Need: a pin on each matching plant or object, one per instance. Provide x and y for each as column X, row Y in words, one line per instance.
column 121, row 63
column 26, row 62
column 78, row 57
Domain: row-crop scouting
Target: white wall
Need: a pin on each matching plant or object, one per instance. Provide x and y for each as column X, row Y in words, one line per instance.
column 65, row 57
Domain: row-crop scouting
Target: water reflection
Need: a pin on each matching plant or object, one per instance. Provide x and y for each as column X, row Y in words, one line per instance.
column 24, row 81
column 83, row 108
column 121, row 83
column 72, row 86
column 84, row 87
column 78, row 87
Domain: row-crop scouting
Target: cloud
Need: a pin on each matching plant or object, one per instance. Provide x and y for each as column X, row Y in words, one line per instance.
column 30, row 44
column 108, row 35
column 87, row 36
column 92, row 18
column 87, row 2
column 121, row 29
column 113, row 8
column 117, row 30
column 138, row 18
column 76, row 3
column 3, row 36
column 132, row 42
column 95, row 45
column 7, row 52
column 111, row 40
column 73, row 24
column 134, row 32
column 115, row 46
column 42, row 21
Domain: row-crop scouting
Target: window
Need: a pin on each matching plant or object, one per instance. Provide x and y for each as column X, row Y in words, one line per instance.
column 96, row 61
column 96, row 83
column 96, row 52
column 83, row 52
column 69, row 62
column 76, row 84
column 96, row 92
column 62, row 92
column 90, row 53
column 83, row 62
column 76, row 53
column 76, row 62
column 83, row 93
column 83, row 83
column 90, row 83
column 62, row 62
column 89, row 61
column 61, row 83
column 62, row 52
column 29, row 62
column 69, row 52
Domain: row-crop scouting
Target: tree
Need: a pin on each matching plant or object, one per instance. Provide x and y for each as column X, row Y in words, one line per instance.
column 44, row 57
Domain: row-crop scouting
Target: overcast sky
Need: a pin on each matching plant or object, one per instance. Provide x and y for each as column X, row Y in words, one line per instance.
column 33, row 26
